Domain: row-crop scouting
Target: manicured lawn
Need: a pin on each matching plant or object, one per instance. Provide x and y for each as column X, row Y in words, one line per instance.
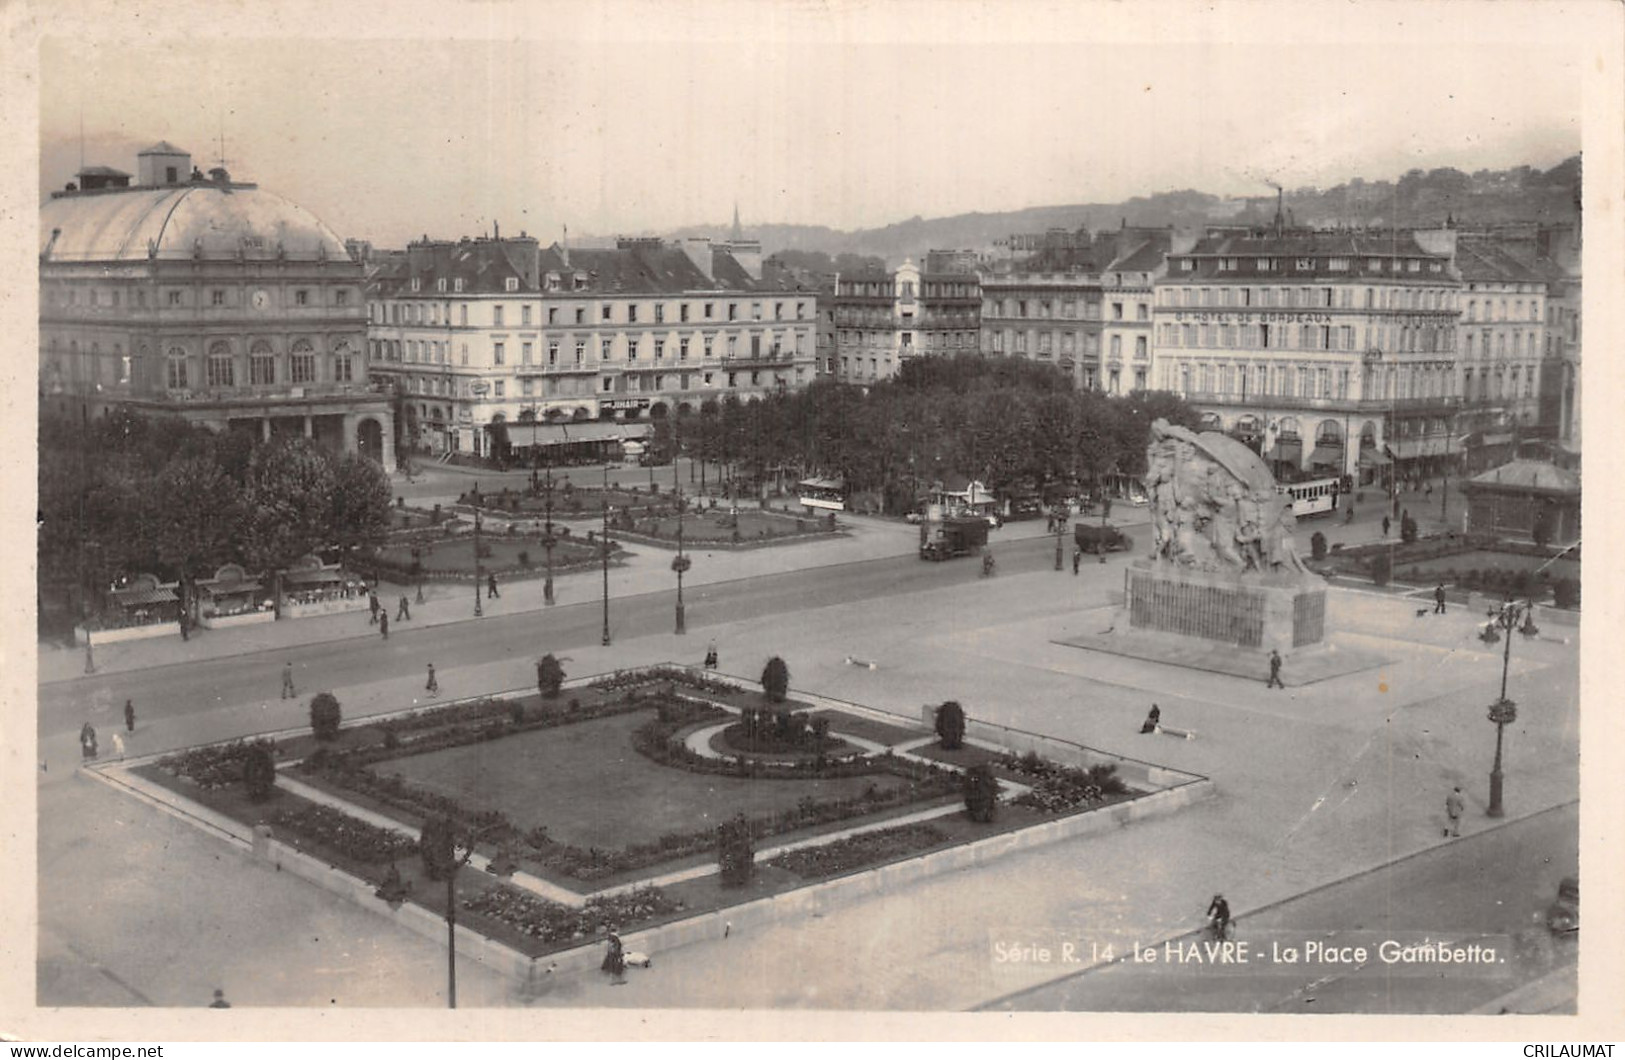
column 457, row 555
column 868, row 729
column 754, row 525
column 586, row 784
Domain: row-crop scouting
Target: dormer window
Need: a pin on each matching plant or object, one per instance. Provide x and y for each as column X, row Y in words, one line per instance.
column 513, row 283
column 440, row 284
column 552, row 281
column 457, row 285
column 580, row 283
column 417, row 283
column 1306, row 263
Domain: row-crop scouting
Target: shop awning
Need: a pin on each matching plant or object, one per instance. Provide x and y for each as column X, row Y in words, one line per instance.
column 1330, row 455
column 143, row 597
column 229, row 588
column 1412, row 448
column 312, row 577
column 1287, row 449
column 1372, row 457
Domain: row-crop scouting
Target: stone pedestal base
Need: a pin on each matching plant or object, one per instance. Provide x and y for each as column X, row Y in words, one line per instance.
column 1260, row 612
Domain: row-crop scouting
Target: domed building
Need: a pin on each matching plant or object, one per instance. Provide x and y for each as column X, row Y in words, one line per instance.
column 205, row 299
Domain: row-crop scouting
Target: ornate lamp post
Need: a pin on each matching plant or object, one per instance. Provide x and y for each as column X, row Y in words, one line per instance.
column 477, row 612
column 680, row 563
column 548, row 540
column 603, row 546
column 1060, row 529
column 417, row 568
column 1503, row 712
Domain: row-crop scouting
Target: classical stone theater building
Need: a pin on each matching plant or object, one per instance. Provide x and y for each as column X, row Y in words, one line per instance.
column 205, row 299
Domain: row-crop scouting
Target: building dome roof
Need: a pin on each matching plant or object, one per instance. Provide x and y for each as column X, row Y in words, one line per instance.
column 210, row 221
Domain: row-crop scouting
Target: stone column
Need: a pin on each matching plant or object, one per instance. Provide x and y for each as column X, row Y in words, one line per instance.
column 348, row 444
column 307, row 425
column 265, row 428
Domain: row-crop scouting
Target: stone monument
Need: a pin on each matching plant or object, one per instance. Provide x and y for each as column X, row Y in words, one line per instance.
column 1222, row 565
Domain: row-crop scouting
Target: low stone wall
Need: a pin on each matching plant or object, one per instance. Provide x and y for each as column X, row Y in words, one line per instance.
column 250, row 618
column 324, row 607
column 114, row 636
column 1134, row 772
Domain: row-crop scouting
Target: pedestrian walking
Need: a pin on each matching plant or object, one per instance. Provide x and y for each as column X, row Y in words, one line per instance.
column 372, row 606
column 405, row 612
column 87, row 741
column 433, row 687
column 614, row 959
column 1385, row 525
column 491, row 587
column 129, row 716
column 288, row 691
column 711, row 657
column 1275, row 671
column 1438, row 599
column 1152, row 720
column 1077, row 558
column 118, row 746
column 383, row 623
column 186, row 625
column 1454, row 804
column 219, row 999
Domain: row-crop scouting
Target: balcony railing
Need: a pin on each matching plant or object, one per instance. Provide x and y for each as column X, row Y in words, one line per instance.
column 1339, row 404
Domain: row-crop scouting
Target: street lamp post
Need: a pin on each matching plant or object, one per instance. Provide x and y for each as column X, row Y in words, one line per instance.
column 1503, row 711
column 1060, row 529
column 547, row 535
column 680, row 563
column 603, row 546
column 477, row 612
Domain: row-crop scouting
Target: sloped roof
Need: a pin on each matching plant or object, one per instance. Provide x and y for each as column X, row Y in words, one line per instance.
column 1486, row 261
column 163, row 147
column 1530, row 475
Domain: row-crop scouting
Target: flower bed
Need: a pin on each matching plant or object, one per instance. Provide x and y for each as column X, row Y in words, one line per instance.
column 345, row 835
column 859, row 851
column 212, row 767
column 553, row 923
column 1062, row 789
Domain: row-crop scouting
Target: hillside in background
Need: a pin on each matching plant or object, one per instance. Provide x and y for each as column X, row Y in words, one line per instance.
column 1419, row 198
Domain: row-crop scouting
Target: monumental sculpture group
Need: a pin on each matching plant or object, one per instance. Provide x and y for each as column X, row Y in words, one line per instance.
column 1222, row 566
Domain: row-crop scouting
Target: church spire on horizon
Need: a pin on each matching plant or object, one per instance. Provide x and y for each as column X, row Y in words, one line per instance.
column 737, row 233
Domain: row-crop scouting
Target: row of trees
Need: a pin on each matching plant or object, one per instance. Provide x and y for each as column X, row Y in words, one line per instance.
column 123, row 494
column 1004, row 421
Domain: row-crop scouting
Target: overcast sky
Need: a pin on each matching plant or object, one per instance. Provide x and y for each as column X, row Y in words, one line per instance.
column 646, row 118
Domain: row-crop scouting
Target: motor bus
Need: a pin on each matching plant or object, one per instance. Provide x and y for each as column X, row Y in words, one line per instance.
column 828, row 494
column 1316, row 496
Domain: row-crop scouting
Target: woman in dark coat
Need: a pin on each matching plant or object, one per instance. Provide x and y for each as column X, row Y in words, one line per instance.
column 614, row 957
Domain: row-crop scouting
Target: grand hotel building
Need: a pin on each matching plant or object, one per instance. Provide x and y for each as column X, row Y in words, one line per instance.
column 1330, row 352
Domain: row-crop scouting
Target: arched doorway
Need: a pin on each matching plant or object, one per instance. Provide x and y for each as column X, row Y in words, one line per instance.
column 657, row 411
column 369, row 440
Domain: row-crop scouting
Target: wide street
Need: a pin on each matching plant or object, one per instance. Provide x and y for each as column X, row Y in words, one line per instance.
column 1496, row 883
column 1314, row 784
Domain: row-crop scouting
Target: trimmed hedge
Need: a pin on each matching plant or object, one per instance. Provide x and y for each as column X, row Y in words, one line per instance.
column 344, row 834
column 859, row 851
column 552, row 922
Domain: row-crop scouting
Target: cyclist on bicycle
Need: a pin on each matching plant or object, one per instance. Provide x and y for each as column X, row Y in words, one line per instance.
column 1218, row 915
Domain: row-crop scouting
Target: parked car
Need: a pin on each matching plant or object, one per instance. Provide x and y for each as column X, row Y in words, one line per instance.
column 1563, row 916
column 1100, row 537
